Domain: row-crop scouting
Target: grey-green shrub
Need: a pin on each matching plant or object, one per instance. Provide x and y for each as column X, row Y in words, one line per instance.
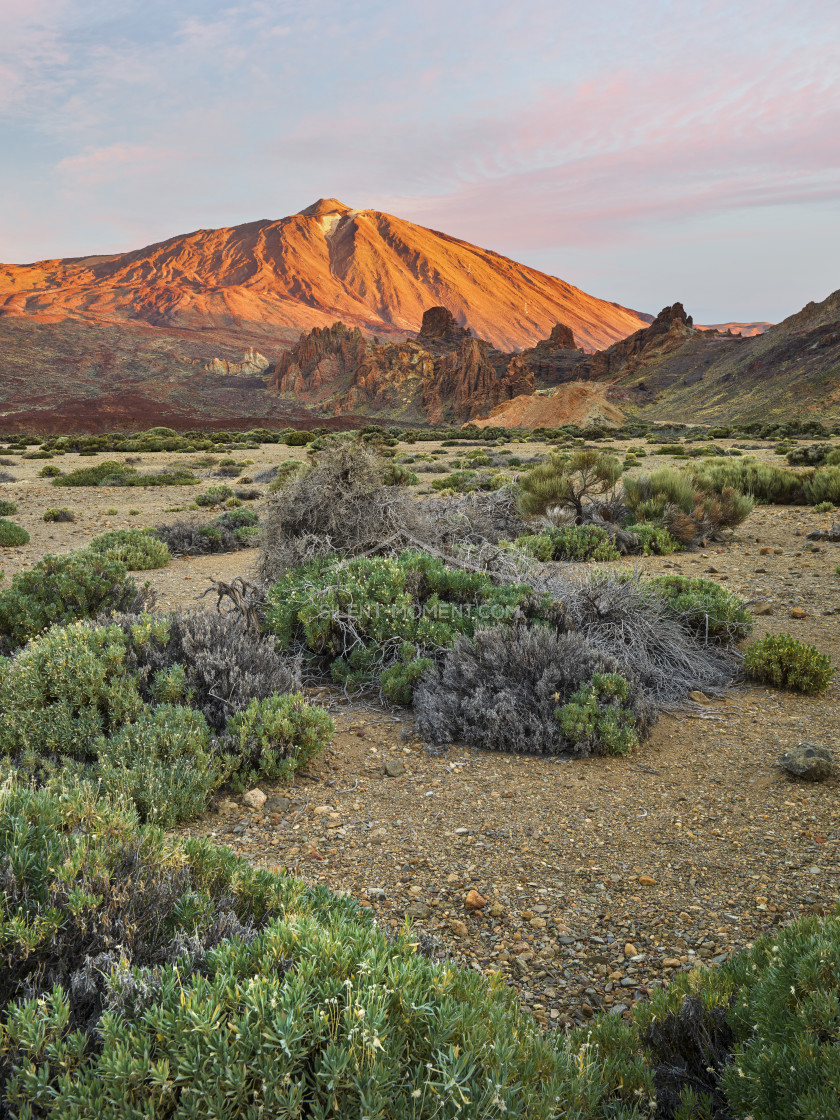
column 705, row 607
column 139, row 549
column 59, row 589
column 55, row 513
column 12, row 535
column 570, row 542
column 275, row 736
column 786, row 662
column 7, row 507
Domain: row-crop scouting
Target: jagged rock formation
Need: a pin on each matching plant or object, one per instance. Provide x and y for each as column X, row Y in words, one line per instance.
column 668, row 332
column 443, row 375
column 253, row 364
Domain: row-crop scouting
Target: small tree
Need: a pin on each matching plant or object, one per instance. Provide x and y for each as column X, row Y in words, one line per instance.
column 569, row 480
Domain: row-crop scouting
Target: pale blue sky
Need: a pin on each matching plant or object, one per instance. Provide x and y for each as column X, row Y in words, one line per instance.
column 646, row 151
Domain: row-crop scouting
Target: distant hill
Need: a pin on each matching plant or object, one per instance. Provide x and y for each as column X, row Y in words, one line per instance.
column 673, row 371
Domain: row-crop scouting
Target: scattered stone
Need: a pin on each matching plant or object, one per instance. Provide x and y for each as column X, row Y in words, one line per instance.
column 254, row 799
column 459, row 928
column 496, row 909
column 646, row 881
column 393, row 768
column 798, row 612
column 762, row 609
column 698, row 697
column 277, row 805
column 630, row 949
column 808, row 761
column 474, row 901
column 418, row 909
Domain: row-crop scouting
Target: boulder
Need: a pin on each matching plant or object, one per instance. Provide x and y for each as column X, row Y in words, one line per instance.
column 808, row 761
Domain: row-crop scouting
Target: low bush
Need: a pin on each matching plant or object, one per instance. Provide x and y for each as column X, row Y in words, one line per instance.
column 12, row 535
column 275, row 736
column 785, row 662
column 125, row 950
column 533, row 691
column 56, row 514
column 380, row 621
column 570, row 542
column 761, row 481
column 7, row 507
column 49, row 471
column 111, row 704
column 61, row 589
column 280, row 475
column 114, row 473
column 183, row 538
column 823, row 487
column 824, row 507
column 706, row 608
column 214, row 496
column 299, row 438
column 654, row 540
column 215, row 662
column 138, row 549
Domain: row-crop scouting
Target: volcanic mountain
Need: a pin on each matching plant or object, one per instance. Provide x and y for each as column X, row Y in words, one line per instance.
column 263, row 283
column 158, row 335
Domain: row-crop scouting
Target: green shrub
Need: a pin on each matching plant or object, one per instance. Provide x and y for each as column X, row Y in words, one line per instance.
column 11, row 534
column 65, row 692
column 824, row 507
column 60, row 589
column 785, row 662
column 324, row 1014
column 299, row 438
column 274, row 737
column 376, row 619
column 648, row 495
column 761, row 481
column 114, row 473
column 671, row 449
column 705, row 607
column 56, row 514
column 654, row 540
column 832, row 459
column 824, row 487
column 7, row 508
column 161, row 762
column 570, row 542
column 568, row 481
column 137, row 549
column 49, row 471
column 463, row 482
column 214, row 496
column 395, row 474
column 596, row 717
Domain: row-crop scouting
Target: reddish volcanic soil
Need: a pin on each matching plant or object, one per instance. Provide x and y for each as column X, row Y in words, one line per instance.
column 262, row 283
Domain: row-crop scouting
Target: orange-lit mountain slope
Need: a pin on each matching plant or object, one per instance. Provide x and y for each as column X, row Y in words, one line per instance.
column 262, row 283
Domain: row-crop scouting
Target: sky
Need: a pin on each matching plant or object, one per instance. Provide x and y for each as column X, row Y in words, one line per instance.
column 645, row 150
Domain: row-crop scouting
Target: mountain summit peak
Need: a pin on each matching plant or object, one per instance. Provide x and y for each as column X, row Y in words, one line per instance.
column 325, row 206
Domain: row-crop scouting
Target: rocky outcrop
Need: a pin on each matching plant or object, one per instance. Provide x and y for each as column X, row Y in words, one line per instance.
column 319, row 358
column 253, row 364
column 669, row 331
column 439, row 330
